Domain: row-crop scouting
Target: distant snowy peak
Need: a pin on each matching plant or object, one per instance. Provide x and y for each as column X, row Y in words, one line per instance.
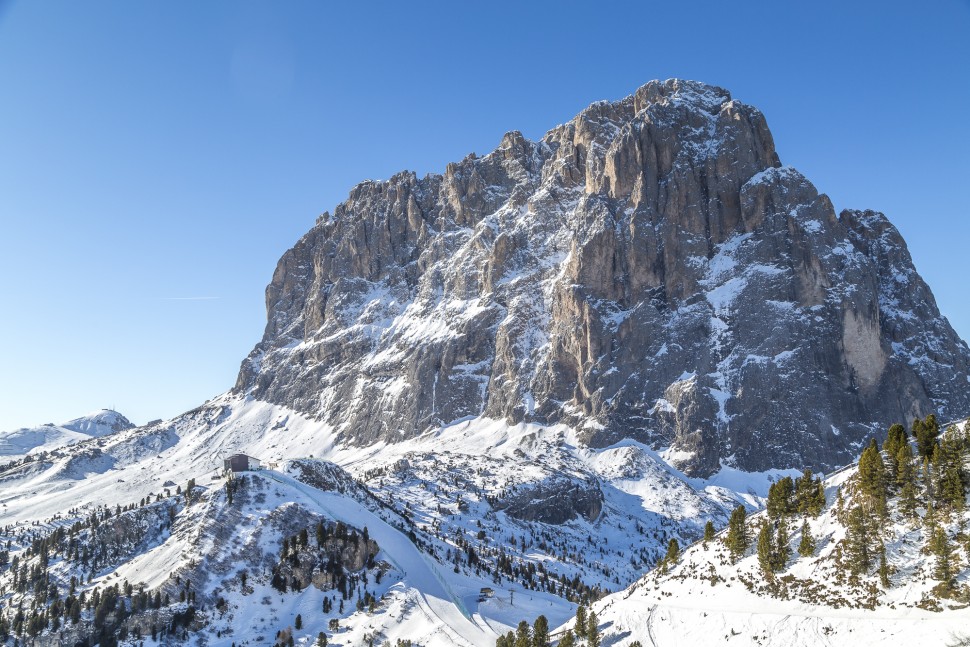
column 99, row 423
column 648, row 270
column 30, row 440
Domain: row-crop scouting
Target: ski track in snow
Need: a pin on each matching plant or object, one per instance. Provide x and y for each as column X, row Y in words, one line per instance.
column 434, row 591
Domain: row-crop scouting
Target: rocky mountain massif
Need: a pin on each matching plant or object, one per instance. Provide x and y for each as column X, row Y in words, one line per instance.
column 648, row 270
column 473, row 397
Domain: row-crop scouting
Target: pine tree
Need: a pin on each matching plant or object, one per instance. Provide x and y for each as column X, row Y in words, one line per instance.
column 766, row 549
column 895, row 438
column 709, row 531
column 523, row 635
column 951, row 484
column 540, row 632
column 817, row 502
column 930, row 480
column 858, row 538
column 673, row 552
column 592, row 630
column 942, row 549
column 780, row 498
column 782, row 550
column 806, row 547
column 809, row 494
column 925, row 432
column 872, row 477
column 568, row 639
column 580, row 625
column 906, row 480
column 883, row 567
column 737, row 539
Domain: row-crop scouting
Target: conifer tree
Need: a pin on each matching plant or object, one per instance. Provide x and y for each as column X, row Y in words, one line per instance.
column 540, row 632
column 580, row 626
column 809, row 494
column 906, row 480
column 806, row 547
column 930, row 479
column 895, row 438
column 568, row 639
column 872, row 477
column 523, row 635
column 817, row 502
column 782, row 550
column 945, row 568
column 592, row 630
column 781, row 496
column 925, row 432
column 872, row 470
column 709, row 531
column 952, row 479
column 766, row 549
column 858, row 538
column 883, row 567
column 737, row 536
column 673, row 552
column 508, row 640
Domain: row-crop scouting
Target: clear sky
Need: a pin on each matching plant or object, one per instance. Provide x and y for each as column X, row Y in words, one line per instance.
column 156, row 158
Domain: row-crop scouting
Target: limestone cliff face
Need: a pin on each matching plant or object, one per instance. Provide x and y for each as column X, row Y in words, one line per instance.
column 648, row 270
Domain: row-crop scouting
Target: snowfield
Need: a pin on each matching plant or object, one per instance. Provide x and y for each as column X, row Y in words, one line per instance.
column 466, row 486
column 524, row 510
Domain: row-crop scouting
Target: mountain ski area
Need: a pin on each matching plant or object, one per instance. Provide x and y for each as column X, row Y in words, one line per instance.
column 634, row 383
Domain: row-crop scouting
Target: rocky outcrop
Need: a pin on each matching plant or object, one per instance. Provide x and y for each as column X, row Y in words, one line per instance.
column 648, row 270
column 553, row 501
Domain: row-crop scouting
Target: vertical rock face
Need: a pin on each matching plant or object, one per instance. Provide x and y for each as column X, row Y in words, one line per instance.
column 648, row 270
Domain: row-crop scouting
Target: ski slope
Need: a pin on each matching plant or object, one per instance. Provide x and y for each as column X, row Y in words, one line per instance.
column 458, row 625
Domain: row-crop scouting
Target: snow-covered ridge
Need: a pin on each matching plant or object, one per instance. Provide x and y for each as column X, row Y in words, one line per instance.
column 707, row 594
column 459, row 491
column 30, row 440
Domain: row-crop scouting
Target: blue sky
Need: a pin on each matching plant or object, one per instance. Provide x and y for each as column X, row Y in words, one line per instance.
column 156, row 158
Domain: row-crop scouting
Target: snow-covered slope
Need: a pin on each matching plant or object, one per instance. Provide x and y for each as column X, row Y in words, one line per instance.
column 219, row 556
column 472, row 472
column 30, row 440
column 525, row 510
column 523, row 378
column 707, row 595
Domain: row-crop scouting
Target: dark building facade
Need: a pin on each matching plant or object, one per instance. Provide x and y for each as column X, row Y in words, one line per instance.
column 241, row 463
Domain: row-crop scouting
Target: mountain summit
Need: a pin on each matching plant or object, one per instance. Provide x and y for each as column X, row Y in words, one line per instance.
column 16, row 444
column 648, row 270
